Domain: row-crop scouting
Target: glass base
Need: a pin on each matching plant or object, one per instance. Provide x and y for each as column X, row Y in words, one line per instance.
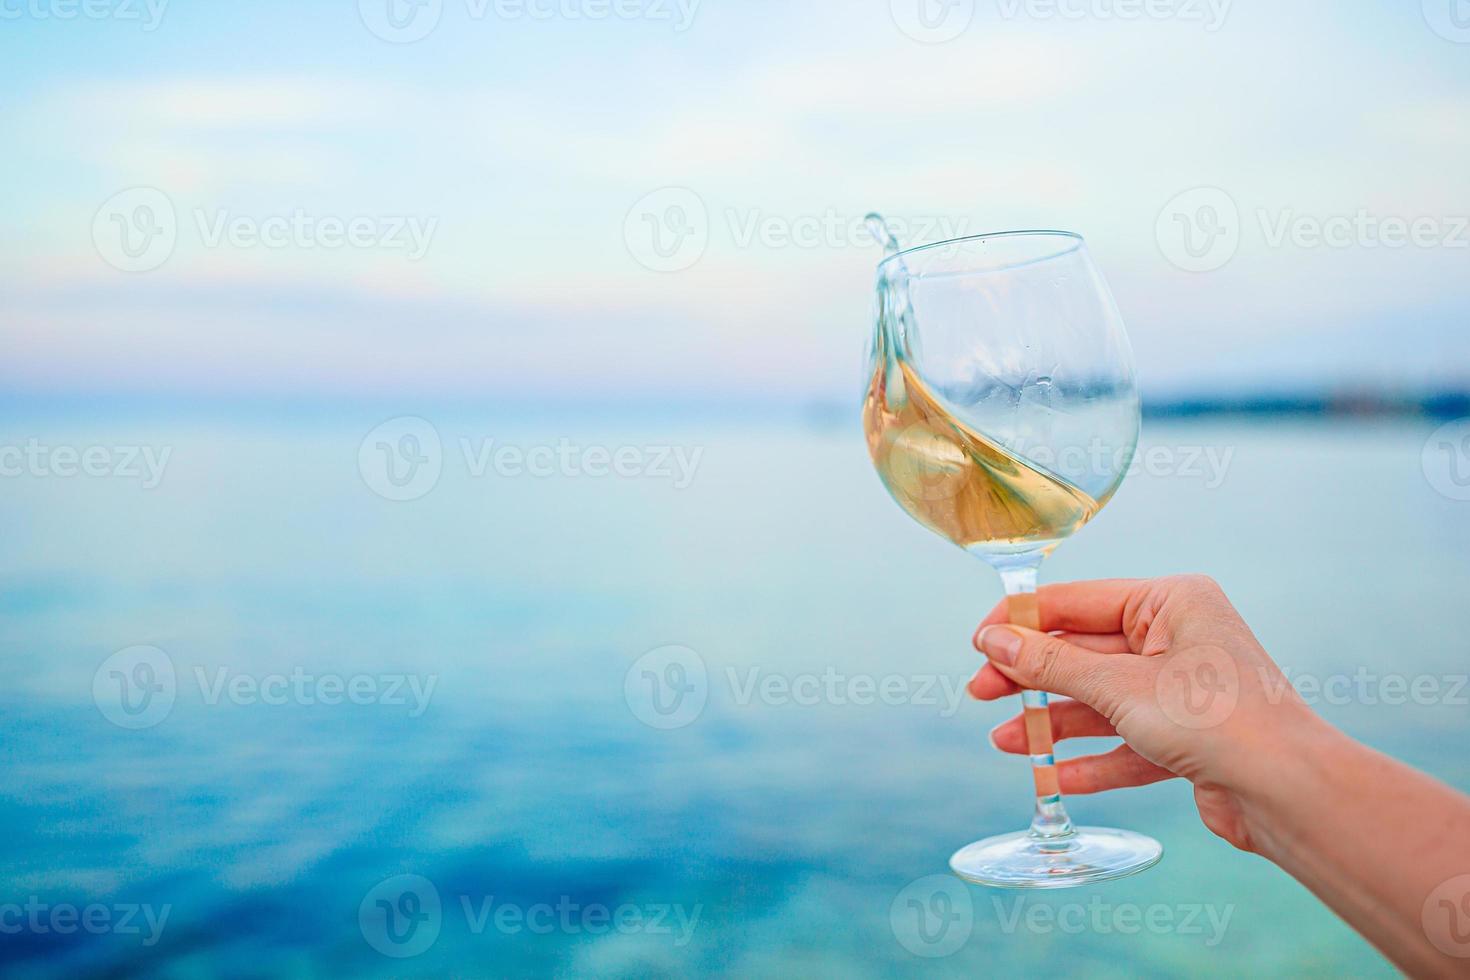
column 1027, row 860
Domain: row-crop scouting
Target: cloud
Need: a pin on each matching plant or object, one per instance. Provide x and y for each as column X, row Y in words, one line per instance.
column 194, row 103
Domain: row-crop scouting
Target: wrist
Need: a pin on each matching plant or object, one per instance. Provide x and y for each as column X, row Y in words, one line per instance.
column 1290, row 781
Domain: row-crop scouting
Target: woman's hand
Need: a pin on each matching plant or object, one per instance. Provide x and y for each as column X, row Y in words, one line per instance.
column 1170, row 666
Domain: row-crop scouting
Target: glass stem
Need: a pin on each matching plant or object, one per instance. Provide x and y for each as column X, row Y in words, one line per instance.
column 1050, row 820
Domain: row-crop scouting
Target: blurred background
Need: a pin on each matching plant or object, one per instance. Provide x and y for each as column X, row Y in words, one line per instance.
column 437, row 535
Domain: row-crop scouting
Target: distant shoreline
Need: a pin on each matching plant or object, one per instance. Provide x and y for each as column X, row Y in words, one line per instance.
column 1360, row 405
column 1439, row 405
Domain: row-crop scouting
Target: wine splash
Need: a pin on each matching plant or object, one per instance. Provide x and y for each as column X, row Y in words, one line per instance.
column 954, row 480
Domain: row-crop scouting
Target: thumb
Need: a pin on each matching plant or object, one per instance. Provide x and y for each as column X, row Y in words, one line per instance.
column 1043, row 662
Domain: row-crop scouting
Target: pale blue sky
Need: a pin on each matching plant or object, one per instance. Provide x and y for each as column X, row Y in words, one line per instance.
column 518, row 144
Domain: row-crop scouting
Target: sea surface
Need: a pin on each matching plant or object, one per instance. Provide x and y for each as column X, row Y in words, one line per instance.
column 257, row 719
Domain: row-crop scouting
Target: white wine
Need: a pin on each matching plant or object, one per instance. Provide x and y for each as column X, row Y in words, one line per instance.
column 954, row 480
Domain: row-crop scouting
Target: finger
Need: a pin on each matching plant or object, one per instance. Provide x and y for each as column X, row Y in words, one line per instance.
column 1117, row 769
column 1083, row 607
column 990, row 684
column 1069, row 719
column 1043, row 662
column 1097, row 642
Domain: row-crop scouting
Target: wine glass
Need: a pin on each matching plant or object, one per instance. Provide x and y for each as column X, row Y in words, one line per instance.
column 1002, row 413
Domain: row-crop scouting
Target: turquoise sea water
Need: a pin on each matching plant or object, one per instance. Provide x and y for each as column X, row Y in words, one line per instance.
column 513, row 756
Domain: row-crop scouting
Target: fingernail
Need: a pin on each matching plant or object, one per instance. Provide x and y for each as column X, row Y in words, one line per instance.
column 993, row 742
column 1000, row 643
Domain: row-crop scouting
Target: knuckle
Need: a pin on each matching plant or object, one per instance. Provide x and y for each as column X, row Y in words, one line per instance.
column 1046, row 659
column 1196, row 592
column 1201, row 585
